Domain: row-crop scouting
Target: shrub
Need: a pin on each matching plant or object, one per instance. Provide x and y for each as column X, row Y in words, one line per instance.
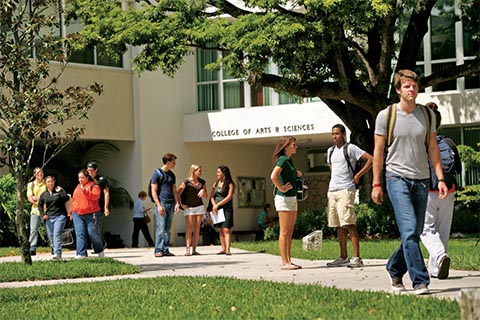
column 7, row 213
column 376, row 221
column 271, row 233
column 466, row 218
column 311, row 220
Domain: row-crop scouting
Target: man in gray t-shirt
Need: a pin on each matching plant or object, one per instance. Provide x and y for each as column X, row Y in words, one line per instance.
column 407, row 177
column 341, row 194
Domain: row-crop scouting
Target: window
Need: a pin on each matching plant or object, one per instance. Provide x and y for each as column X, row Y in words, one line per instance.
column 217, row 90
column 207, row 81
column 442, row 28
column 439, row 49
column 317, row 160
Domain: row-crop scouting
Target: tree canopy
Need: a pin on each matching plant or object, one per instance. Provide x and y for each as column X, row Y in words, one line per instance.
column 343, row 52
column 31, row 104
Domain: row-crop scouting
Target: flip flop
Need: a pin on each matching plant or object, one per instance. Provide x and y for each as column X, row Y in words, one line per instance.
column 221, row 252
column 158, row 255
column 195, row 253
column 187, row 253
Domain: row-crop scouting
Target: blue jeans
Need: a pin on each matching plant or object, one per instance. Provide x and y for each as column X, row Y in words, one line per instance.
column 409, row 199
column 34, row 224
column 164, row 224
column 55, row 226
column 85, row 226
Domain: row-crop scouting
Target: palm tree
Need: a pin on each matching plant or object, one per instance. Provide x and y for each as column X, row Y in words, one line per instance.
column 75, row 157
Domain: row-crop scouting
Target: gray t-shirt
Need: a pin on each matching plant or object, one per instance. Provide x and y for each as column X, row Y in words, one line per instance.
column 342, row 176
column 407, row 155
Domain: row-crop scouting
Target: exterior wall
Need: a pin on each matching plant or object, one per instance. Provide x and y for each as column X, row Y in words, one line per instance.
column 111, row 118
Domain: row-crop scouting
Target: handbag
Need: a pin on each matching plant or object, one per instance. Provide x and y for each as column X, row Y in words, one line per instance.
column 147, row 218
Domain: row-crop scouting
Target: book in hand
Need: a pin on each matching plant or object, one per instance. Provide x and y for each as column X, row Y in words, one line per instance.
column 219, row 217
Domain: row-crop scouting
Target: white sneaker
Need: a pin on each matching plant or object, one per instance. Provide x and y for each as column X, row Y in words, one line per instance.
column 339, row 262
column 80, row 257
column 356, row 262
column 101, row 254
column 421, row 289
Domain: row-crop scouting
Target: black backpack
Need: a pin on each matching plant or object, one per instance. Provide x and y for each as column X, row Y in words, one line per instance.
column 159, row 182
column 451, row 164
column 354, row 169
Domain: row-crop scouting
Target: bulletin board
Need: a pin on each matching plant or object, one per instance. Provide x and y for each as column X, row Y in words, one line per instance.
column 251, row 192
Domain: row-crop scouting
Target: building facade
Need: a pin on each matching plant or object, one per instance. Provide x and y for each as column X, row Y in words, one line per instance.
column 210, row 119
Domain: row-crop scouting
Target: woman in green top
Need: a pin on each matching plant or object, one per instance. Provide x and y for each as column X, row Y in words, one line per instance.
column 283, row 177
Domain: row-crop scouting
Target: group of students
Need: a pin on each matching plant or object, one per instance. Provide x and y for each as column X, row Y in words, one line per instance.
column 189, row 197
column 422, row 210
column 415, row 179
column 89, row 202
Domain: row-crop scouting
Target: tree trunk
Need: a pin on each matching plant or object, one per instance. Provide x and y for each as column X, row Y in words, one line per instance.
column 22, row 235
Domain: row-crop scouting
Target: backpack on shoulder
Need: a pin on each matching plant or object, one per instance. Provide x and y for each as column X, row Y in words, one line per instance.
column 449, row 161
column 159, row 182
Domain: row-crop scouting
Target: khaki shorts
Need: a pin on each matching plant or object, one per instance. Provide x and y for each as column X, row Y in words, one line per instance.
column 341, row 209
column 286, row 203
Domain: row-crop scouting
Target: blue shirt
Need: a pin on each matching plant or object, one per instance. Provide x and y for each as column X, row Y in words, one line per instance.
column 138, row 208
column 165, row 189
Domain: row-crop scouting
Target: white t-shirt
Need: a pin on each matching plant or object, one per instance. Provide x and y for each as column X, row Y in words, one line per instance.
column 341, row 175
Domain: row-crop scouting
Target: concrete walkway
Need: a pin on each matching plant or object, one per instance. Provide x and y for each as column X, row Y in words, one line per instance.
column 259, row 266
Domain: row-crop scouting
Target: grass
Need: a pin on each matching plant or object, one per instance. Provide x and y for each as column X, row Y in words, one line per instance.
column 465, row 253
column 213, row 298
column 216, row 297
column 65, row 269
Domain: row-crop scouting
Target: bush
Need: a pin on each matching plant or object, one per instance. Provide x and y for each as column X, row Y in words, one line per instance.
column 271, row 233
column 376, row 221
column 311, row 220
column 466, row 218
column 8, row 206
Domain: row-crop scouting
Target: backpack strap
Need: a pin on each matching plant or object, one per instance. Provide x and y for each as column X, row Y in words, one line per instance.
column 391, row 118
column 330, row 154
column 347, row 157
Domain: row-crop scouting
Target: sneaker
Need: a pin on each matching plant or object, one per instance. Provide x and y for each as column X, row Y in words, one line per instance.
column 397, row 285
column 80, row 257
column 421, row 289
column 339, row 262
column 356, row 262
column 101, row 254
column 443, row 267
column 57, row 257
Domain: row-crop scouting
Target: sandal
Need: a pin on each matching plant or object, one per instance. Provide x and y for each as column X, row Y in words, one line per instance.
column 289, row 267
column 221, row 252
column 187, row 253
column 228, row 253
column 158, row 255
column 195, row 253
column 297, row 266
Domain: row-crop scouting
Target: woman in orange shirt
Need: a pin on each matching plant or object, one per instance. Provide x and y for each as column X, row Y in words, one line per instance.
column 82, row 211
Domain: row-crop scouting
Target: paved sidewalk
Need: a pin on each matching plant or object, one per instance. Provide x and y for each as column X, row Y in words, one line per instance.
column 260, row 266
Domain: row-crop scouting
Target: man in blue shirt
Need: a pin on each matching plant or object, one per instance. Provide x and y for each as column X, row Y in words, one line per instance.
column 164, row 194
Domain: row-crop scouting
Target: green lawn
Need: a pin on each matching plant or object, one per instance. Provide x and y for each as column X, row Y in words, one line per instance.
column 213, row 298
column 217, row 297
